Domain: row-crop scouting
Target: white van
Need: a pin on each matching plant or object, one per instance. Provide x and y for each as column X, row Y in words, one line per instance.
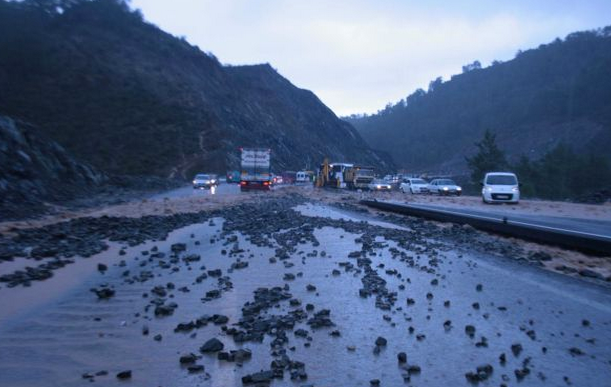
column 301, row 177
column 501, row 187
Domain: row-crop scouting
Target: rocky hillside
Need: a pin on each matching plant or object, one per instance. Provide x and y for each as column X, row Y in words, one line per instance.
column 35, row 170
column 123, row 95
column 557, row 93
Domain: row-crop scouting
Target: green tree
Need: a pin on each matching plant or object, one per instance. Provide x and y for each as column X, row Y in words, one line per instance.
column 488, row 158
column 528, row 174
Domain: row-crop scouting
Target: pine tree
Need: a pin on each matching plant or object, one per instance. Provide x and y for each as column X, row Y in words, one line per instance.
column 489, row 157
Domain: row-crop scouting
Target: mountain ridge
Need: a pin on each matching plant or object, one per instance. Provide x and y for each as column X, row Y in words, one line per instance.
column 557, row 93
column 127, row 97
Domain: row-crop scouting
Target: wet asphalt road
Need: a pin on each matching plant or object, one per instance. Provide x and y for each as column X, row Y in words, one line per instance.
column 222, row 190
column 188, row 191
column 591, row 226
column 553, row 330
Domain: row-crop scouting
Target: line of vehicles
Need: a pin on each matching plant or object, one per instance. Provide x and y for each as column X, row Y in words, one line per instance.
column 497, row 187
column 255, row 174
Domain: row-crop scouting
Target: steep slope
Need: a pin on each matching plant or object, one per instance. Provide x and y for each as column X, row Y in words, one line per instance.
column 129, row 98
column 557, row 93
column 34, row 170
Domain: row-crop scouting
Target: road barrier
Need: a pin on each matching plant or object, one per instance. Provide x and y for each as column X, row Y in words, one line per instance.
column 572, row 239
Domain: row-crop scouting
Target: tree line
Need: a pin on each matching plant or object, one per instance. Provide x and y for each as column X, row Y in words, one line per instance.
column 559, row 175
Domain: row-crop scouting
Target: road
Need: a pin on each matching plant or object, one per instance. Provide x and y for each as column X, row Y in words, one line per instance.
column 388, row 289
column 222, row 189
column 188, row 191
column 590, row 226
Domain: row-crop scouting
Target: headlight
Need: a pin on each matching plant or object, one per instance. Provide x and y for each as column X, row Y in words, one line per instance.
column 458, row 188
column 379, row 186
column 213, row 181
column 515, row 189
column 489, row 189
column 194, row 182
column 445, row 188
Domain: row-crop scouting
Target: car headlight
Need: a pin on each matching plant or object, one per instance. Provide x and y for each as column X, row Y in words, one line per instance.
column 445, row 188
column 458, row 188
column 212, row 181
column 489, row 189
column 379, row 186
column 515, row 189
column 194, row 182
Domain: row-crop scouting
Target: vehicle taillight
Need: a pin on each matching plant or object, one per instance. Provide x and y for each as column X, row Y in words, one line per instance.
column 243, row 183
column 266, row 183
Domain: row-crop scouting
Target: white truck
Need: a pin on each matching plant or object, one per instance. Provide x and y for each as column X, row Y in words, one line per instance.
column 255, row 171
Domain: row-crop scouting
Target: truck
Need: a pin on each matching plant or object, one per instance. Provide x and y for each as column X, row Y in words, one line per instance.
column 255, row 171
column 358, row 177
column 344, row 175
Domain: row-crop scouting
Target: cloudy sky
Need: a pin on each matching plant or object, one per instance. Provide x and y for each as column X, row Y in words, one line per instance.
column 358, row 55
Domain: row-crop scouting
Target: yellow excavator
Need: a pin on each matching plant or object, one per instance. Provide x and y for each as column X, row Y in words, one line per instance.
column 329, row 175
column 322, row 177
column 342, row 175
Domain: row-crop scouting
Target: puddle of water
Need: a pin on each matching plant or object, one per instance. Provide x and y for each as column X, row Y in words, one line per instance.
column 315, row 210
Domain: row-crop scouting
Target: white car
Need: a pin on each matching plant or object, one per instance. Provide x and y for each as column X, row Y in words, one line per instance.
column 379, row 185
column 204, row 181
column 444, row 187
column 414, row 186
column 501, row 187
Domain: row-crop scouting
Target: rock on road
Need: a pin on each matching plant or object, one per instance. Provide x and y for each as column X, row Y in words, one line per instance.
column 290, row 292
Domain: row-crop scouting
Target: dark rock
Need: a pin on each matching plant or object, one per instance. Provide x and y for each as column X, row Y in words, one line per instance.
column 540, row 256
column 263, row 377
column 178, row 247
column 165, row 310
column 381, row 341
column 212, row 345
column 590, row 274
column 188, row 359
column 470, row 330
column 124, row 375
column 574, row 351
column 196, row 368
column 104, row 293
column 516, row 349
column 402, row 357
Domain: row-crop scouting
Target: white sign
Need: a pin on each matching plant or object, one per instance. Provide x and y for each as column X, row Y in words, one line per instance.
column 253, row 157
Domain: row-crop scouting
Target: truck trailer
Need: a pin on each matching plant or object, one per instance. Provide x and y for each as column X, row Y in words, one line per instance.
column 255, row 171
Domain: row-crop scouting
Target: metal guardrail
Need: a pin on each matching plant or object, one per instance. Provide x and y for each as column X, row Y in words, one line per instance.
column 572, row 239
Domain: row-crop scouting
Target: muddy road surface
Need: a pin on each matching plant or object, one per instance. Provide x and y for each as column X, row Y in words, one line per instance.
column 290, row 292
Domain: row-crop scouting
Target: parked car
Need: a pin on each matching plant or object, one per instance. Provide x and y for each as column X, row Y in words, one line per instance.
column 444, row 187
column 414, row 186
column 500, row 187
column 204, row 181
column 379, row 185
column 288, row 177
column 277, row 179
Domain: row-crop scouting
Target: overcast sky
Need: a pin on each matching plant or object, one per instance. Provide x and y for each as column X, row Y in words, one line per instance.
column 358, row 55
